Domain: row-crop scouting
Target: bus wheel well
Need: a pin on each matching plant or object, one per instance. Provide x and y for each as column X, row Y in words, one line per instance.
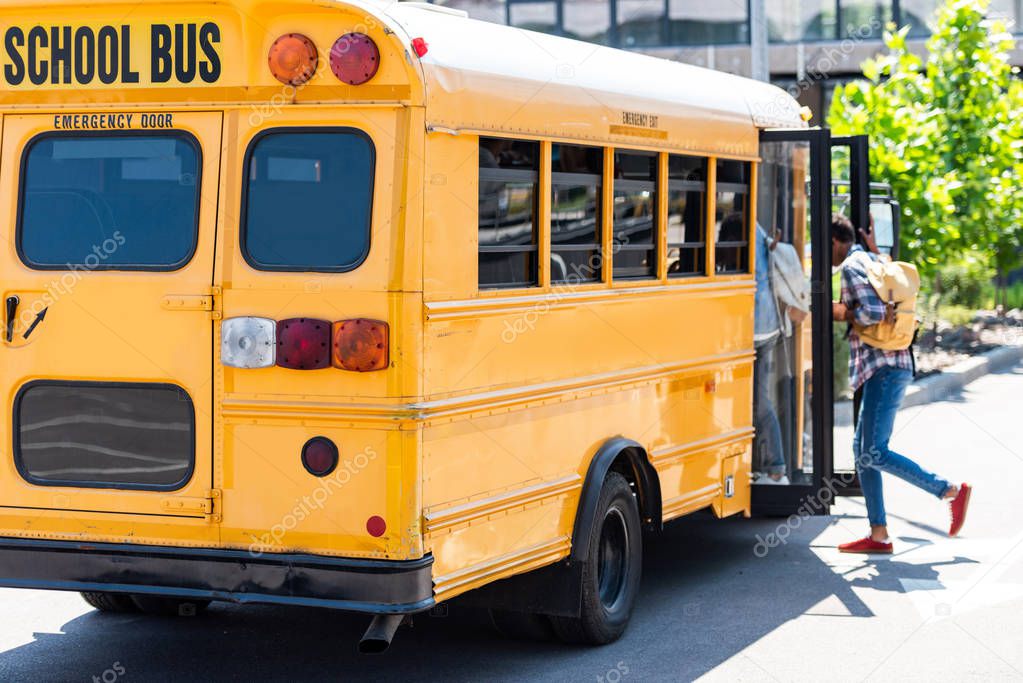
column 629, row 459
column 556, row 590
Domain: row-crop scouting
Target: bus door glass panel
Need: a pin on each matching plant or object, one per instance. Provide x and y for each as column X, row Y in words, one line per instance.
column 854, row 196
column 783, row 370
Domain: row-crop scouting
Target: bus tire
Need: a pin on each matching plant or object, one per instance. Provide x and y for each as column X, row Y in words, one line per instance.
column 521, row 625
column 169, row 607
column 611, row 570
column 110, row 602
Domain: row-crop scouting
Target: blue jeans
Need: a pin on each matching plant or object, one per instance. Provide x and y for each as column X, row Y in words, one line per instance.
column 882, row 395
column 768, row 429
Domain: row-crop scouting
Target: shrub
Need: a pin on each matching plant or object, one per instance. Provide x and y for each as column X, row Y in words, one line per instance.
column 956, row 316
column 1014, row 296
column 963, row 284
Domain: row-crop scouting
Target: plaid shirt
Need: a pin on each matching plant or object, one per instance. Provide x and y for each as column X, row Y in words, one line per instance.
column 868, row 309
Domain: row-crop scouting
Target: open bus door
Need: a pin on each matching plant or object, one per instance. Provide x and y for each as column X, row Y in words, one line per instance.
column 793, row 370
column 850, row 161
column 802, row 412
column 874, row 207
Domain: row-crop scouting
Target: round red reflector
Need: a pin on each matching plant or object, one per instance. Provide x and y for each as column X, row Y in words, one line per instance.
column 376, row 526
column 354, row 59
column 293, row 59
column 319, row 456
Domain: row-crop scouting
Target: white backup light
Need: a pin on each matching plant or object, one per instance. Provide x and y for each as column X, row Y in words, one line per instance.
column 248, row 342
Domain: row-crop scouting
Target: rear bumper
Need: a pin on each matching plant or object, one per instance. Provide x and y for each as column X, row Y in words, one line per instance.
column 374, row 586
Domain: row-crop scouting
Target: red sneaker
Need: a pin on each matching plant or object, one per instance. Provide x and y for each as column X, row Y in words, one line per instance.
column 866, row 545
column 958, row 508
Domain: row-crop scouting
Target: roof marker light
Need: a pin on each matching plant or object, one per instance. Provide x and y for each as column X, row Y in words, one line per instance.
column 354, row 58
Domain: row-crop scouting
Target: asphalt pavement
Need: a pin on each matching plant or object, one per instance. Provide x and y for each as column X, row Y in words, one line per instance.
column 714, row 604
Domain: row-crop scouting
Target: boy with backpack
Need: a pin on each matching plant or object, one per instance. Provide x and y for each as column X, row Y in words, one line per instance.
column 881, row 362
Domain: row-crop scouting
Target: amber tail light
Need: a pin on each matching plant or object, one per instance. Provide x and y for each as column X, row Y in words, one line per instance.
column 360, row 345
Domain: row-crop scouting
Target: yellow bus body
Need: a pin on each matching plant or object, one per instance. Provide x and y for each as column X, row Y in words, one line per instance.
column 475, row 443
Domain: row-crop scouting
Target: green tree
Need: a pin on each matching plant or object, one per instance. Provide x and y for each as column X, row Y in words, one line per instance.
column 1007, row 236
column 946, row 133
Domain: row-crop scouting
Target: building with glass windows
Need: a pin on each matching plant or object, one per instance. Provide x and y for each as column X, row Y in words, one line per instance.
column 814, row 44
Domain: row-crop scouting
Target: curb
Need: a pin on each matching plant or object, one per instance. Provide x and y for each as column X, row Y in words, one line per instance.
column 938, row 387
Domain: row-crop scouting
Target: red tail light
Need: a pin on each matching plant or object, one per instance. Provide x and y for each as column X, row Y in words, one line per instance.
column 355, row 58
column 360, row 345
column 303, row 344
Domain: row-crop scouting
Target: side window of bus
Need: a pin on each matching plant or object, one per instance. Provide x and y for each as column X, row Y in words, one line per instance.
column 635, row 215
column 109, row 201
column 307, row 200
column 577, row 232
column 732, row 217
column 687, row 216
column 508, row 231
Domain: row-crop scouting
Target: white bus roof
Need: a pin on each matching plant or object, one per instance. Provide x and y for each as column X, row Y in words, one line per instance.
column 483, row 77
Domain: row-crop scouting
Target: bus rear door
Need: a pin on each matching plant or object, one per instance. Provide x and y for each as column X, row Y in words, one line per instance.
column 106, row 278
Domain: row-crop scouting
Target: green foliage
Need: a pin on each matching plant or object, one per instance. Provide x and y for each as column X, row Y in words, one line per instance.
column 947, row 133
column 1014, row 296
column 963, row 284
column 1011, row 297
column 840, row 361
column 956, row 316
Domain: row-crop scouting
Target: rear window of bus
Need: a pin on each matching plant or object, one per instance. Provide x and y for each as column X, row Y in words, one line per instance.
column 104, row 435
column 308, row 200
column 109, row 201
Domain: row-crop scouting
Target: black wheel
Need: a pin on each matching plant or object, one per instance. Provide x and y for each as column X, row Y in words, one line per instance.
column 521, row 626
column 110, row 602
column 169, row 607
column 610, row 577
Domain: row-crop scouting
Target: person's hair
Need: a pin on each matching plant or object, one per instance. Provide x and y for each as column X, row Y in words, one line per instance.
column 733, row 228
column 842, row 229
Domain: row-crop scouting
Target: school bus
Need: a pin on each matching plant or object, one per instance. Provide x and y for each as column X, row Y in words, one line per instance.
column 369, row 306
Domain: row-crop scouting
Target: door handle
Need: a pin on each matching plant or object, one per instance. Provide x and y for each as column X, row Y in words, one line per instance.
column 12, row 310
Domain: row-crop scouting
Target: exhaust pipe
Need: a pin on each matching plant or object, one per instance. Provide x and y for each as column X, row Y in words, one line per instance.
column 379, row 634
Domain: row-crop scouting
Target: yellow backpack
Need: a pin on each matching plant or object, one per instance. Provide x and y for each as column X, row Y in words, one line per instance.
column 897, row 284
